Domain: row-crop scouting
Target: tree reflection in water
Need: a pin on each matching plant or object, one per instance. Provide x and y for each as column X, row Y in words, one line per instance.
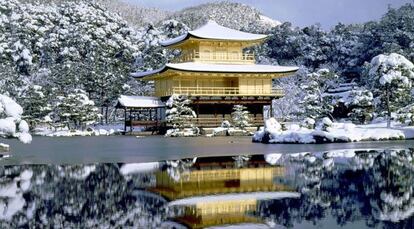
column 373, row 187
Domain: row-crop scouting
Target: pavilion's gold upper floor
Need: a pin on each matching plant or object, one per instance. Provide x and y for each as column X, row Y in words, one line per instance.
column 215, row 52
column 213, row 43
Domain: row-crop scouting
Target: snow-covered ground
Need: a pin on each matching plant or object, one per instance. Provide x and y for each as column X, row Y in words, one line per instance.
column 97, row 130
column 337, row 132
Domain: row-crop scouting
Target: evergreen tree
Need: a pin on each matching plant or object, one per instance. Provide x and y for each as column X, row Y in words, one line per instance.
column 315, row 103
column 76, row 110
column 241, row 117
column 179, row 114
column 390, row 77
column 36, row 105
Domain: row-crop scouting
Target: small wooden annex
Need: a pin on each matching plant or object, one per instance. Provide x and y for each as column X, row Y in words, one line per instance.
column 217, row 70
column 143, row 111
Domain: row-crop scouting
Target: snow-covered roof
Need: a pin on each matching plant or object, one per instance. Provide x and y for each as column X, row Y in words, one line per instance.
column 139, row 101
column 212, row 30
column 235, row 68
column 147, row 73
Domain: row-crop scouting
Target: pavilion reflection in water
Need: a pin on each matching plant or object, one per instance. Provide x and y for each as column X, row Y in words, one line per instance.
column 217, row 190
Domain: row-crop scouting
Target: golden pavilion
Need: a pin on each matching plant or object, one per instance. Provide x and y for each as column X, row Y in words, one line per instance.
column 217, row 70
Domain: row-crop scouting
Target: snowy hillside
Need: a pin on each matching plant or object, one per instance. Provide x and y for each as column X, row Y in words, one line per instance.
column 229, row 14
column 135, row 15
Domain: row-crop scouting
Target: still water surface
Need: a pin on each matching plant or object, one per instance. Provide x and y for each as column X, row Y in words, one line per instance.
column 80, row 150
column 129, row 182
column 335, row 189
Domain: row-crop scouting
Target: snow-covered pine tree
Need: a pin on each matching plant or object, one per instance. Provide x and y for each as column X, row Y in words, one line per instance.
column 390, row 78
column 173, row 28
column 35, row 104
column 314, row 102
column 241, row 117
column 179, row 114
column 11, row 123
column 76, row 110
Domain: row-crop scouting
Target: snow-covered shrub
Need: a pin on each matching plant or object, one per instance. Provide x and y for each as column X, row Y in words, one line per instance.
column 241, row 117
column 308, row 123
column 76, row 110
column 406, row 113
column 225, row 124
column 361, row 102
column 390, row 78
column 351, row 101
column 11, row 124
column 326, row 123
column 179, row 115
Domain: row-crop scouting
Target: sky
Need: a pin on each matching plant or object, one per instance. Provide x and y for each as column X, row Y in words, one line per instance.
column 300, row 12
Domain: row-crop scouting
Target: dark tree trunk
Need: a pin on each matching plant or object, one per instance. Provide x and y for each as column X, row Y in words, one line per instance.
column 106, row 115
column 387, row 102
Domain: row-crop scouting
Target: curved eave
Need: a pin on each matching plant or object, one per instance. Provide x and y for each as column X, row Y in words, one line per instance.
column 150, row 75
column 142, row 75
column 175, row 41
column 235, row 72
column 188, row 36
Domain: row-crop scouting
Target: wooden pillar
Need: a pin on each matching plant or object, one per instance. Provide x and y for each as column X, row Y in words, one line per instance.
column 130, row 120
column 198, row 109
column 150, row 114
column 271, row 109
column 125, row 119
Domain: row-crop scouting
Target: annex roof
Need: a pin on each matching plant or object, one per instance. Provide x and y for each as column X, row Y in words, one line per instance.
column 231, row 68
column 214, row 31
column 139, row 102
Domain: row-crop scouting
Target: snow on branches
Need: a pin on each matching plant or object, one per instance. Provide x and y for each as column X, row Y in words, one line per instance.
column 314, row 101
column 76, row 110
column 241, row 117
column 11, row 124
column 390, row 78
column 179, row 116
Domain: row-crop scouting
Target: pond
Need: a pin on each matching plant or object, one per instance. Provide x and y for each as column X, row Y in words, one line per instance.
column 205, row 183
column 79, row 150
column 347, row 189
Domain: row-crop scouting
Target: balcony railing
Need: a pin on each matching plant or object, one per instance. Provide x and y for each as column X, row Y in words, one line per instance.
column 217, row 57
column 222, row 91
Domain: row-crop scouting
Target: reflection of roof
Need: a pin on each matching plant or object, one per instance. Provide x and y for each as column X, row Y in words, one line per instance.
column 235, row 197
column 233, row 68
column 139, row 102
column 214, row 31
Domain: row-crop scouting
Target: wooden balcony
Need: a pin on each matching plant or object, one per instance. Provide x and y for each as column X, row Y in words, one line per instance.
column 222, row 91
column 236, row 58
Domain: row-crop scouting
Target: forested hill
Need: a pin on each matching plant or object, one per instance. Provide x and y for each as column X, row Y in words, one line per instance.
column 234, row 15
column 63, row 50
